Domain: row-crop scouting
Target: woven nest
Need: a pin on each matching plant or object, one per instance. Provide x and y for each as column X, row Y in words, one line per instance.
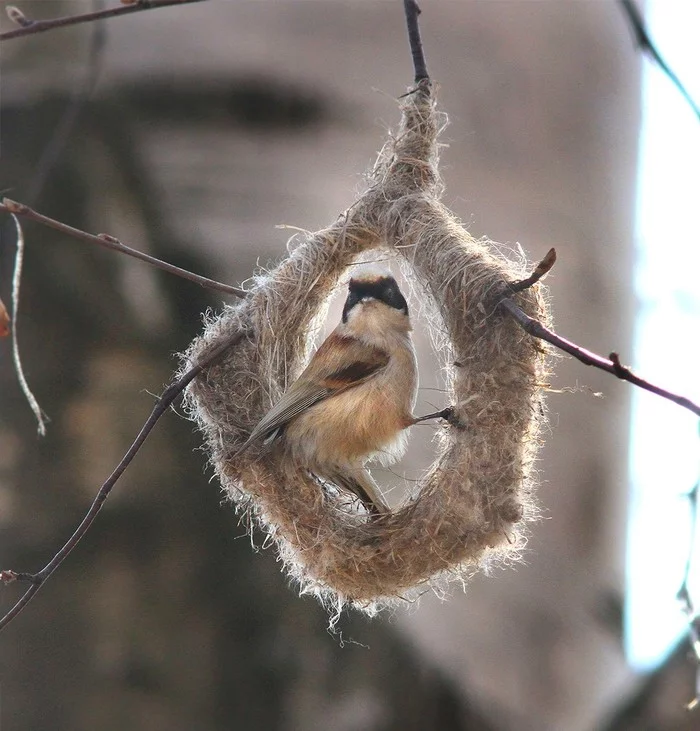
column 474, row 500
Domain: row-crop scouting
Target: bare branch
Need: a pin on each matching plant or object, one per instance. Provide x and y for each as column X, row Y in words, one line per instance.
column 110, row 242
column 16, row 286
column 646, row 45
column 168, row 396
column 30, row 27
column 412, row 11
column 61, row 134
column 610, row 365
column 530, row 325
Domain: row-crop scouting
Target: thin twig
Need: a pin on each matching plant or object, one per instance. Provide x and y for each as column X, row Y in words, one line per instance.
column 19, row 370
column 61, row 134
column 646, row 45
column 17, row 16
column 447, row 414
column 109, row 242
column 610, row 365
column 412, row 11
column 38, row 579
column 30, row 27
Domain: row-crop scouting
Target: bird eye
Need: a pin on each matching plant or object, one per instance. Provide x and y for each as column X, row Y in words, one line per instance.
column 392, row 296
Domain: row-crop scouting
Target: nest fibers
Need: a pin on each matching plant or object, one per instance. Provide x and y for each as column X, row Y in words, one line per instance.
column 471, row 505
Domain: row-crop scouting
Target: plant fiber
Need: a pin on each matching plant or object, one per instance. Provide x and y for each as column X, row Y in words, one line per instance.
column 473, row 503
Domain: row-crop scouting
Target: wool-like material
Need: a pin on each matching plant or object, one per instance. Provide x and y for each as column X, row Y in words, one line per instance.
column 474, row 501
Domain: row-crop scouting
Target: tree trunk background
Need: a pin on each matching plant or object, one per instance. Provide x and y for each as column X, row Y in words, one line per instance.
column 211, row 123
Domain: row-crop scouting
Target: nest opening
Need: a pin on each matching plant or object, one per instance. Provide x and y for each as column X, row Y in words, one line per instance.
column 473, row 503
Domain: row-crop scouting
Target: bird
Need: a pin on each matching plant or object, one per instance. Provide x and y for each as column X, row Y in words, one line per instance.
column 354, row 400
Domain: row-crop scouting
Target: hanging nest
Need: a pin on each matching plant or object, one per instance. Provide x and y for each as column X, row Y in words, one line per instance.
column 474, row 501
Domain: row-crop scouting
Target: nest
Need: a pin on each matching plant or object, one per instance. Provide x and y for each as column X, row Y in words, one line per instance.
column 473, row 503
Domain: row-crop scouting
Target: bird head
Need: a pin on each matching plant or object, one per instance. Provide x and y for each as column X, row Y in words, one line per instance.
column 374, row 293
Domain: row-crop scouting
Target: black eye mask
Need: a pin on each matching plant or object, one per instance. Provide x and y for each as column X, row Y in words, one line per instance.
column 384, row 290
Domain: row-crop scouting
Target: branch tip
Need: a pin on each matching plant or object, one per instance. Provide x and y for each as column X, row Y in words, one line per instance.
column 14, row 207
column 7, row 576
column 548, row 262
column 540, row 270
column 18, row 17
column 412, row 11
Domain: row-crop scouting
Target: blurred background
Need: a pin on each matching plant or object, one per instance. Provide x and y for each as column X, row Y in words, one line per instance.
column 191, row 133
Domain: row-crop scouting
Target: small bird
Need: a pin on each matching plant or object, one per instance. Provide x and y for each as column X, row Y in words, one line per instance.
column 356, row 397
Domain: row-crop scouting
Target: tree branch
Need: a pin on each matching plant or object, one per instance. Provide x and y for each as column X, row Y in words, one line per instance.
column 529, row 325
column 109, row 242
column 30, row 27
column 62, row 132
column 412, row 11
column 164, row 402
column 610, row 365
column 646, row 45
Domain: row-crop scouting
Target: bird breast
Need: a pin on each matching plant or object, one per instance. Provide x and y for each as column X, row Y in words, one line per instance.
column 364, row 421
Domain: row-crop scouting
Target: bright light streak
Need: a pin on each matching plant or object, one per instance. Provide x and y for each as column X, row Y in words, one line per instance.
column 665, row 444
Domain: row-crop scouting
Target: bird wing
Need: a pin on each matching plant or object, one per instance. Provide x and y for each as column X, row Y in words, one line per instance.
column 340, row 363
